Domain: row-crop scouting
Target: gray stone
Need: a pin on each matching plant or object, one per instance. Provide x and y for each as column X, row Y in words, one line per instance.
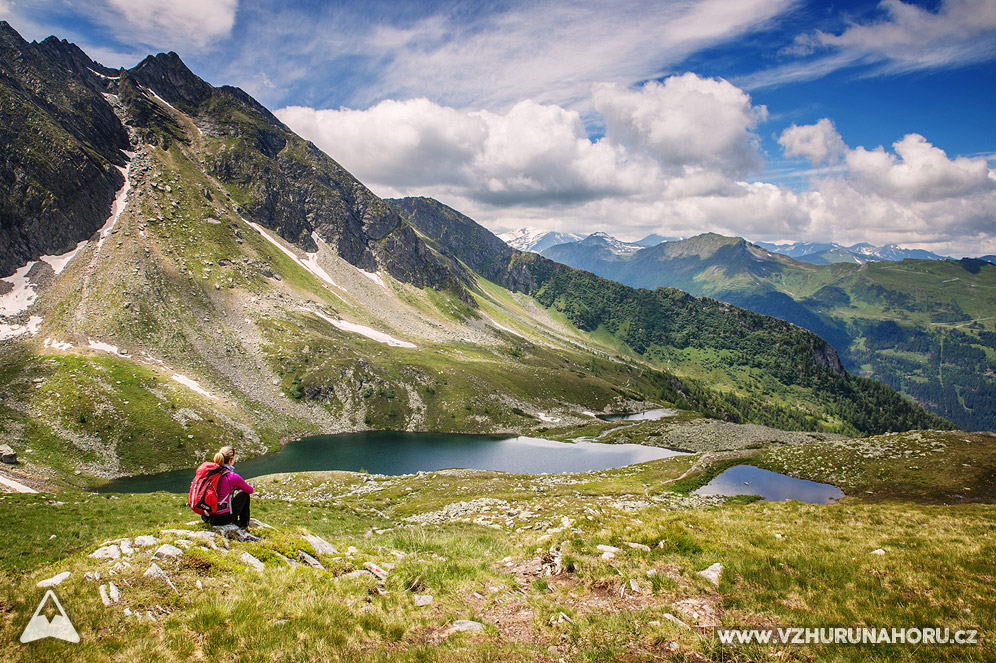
column 54, row 580
column 465, row 625
column 107, row 552
column 154, row 571
column 877, row 551
column 166, row 550
column 252, row 561
column 7, row 454
column 235, row 533
column 321, row 546
column 310, row 561
column 376, row 570
column 145, row 541
column 712, row 573
column 422, row 600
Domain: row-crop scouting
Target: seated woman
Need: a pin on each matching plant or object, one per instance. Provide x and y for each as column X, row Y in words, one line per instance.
column 232, row 507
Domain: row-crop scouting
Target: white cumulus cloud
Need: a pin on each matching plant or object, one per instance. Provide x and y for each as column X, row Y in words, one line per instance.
column 673, row 161
column 918, row 171
column 686, row 121
column 820, row 142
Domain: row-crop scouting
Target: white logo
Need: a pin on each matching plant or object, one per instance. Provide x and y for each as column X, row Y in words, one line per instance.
column 59, row 627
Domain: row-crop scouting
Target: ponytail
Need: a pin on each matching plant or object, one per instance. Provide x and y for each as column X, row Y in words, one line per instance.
column 225, row 455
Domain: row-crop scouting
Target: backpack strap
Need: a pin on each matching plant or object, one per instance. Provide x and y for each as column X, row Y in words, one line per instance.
column 222, row 471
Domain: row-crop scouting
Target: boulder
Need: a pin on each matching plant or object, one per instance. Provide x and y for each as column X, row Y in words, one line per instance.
column 7, row 454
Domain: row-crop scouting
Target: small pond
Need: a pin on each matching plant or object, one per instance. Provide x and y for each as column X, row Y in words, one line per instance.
column 393, row 453
column 649, row 415
column 750, row 480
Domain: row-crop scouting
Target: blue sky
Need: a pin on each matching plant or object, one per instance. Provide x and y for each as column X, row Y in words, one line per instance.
column 772, row 119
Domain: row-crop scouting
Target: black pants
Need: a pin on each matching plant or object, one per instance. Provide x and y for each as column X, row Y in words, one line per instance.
column 238, row 515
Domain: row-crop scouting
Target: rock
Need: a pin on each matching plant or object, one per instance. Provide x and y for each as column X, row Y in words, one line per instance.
column 104, row 598
column 235, row 533
column 145, row 541
column 321, row 546
column 252, row 561
column 126, row 548
column 107, row 552
column 7, row 454
column 357, row 574
column 154, row 571
column 258, row 524
column 207, row 537
column 702, row 611
column 167, row 550
column 376, row 570
column 462, row 626
column 422, row 600
column 638, row 546
column 310, row 561
column 877, row 551
column 670, row 617
column 54, row 580
column 112, row 591
column 712, row 573
column 633, row 585
column 607, row 549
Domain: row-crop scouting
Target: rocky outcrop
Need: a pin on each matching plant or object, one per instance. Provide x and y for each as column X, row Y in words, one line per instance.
column 59, row 143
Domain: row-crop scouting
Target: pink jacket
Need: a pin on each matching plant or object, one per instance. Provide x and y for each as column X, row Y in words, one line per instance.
column 228, row 483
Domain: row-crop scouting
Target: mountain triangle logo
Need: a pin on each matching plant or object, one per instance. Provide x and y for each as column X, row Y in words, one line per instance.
column 58, row 627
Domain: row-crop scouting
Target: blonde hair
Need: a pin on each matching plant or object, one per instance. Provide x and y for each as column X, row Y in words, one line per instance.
column 224, row 455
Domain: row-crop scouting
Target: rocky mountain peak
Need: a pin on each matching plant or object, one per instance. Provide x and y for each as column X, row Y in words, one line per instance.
column 172, row 80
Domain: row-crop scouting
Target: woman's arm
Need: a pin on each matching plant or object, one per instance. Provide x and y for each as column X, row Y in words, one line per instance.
column 239, row 483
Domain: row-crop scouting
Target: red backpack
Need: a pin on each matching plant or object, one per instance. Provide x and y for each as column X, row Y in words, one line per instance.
column 203, row 498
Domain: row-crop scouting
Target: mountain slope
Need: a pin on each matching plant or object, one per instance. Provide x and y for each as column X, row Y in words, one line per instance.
column 742, row 353
column 61, row 144
column 923, row 327
column 241, row 287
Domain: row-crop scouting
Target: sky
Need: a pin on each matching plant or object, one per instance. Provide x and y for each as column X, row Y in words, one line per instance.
column 776, row 120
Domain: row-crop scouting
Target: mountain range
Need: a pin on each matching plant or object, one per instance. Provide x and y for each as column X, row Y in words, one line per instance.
column 818, row 253
column 180, row 270
column 925, row 327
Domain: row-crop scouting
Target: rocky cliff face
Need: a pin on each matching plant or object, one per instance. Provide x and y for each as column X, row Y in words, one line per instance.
column 59, row 144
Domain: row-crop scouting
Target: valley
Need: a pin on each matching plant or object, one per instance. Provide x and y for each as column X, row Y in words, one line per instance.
column 924, row 327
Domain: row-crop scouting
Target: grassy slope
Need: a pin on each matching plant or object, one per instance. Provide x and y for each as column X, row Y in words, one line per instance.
column 871, row 313
column 819, row 573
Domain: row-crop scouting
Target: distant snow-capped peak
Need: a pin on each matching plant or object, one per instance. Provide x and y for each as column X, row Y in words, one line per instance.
column 534, row 239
